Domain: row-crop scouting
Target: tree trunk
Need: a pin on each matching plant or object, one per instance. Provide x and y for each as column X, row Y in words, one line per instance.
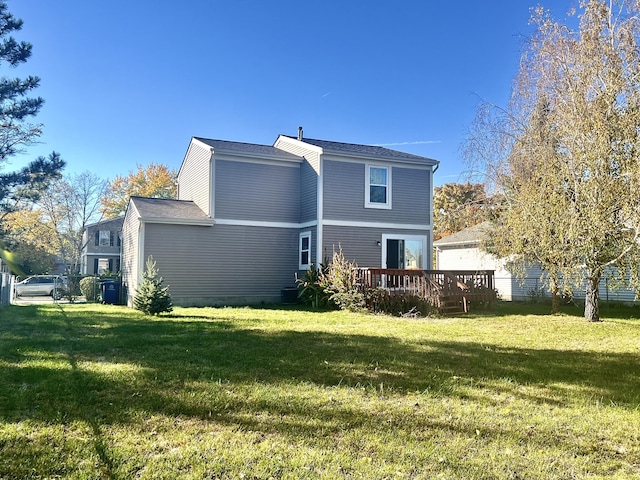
column 591, row 308
column 555, row 294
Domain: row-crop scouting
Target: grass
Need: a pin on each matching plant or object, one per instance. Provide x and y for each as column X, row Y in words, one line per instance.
column 91, row 391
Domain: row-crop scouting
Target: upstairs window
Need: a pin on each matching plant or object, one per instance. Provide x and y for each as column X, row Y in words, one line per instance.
column 104, row 238
column 378, row 187
column 305, row 251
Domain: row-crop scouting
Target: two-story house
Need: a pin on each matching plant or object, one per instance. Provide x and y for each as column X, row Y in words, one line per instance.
column 248, row 217
column 101, row 247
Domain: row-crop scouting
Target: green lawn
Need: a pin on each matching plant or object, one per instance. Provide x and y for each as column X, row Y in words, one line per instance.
column 91, row 391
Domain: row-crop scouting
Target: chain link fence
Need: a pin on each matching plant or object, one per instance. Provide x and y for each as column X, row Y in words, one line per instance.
column 535, row 289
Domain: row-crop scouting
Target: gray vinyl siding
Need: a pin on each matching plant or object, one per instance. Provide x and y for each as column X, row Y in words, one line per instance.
column 308, row 193
column 253, row 191
column 360, row 245
column 90, row 246
column 344, row 194
column 223, row 264
column 130, row 253
column 194, row 178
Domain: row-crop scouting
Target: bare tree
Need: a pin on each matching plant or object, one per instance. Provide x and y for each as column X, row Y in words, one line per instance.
column 69, row 206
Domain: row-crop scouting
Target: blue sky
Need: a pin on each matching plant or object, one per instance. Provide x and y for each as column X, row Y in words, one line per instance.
column 130, row 82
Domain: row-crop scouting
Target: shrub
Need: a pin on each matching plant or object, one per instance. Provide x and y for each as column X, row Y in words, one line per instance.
column 312, row 287
column 152, row 297
column 90, row 288
column 342, row 284
column 380, row 300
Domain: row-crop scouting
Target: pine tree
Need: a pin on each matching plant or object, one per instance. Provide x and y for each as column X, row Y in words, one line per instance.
column 152, row 297
column 16, row 109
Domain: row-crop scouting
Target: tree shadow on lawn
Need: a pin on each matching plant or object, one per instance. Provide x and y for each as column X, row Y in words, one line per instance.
column 163, row 355
column 105, row 369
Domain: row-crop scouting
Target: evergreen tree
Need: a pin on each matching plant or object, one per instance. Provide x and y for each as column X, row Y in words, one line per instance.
column 152, row 297
column 16, row 107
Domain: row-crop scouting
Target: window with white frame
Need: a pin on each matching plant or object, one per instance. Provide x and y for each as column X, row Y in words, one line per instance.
column 105, row 238
column 304, row 256
column 378, row 187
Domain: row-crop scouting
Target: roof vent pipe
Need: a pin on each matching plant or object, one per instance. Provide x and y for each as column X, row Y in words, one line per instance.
column 299, row 133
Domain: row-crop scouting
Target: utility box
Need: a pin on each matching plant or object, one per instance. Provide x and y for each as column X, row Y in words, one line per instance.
column 289, row 295
column 111, row 292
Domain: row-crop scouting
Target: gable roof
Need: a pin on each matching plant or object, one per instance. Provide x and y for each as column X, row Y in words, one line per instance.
column 117, row 220
column 248, row 149
column 163, row 210
column 368, row 151
column 469, row 236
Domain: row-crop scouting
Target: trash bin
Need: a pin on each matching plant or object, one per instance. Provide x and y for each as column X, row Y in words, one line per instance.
column 111, row 292
column 289, row 295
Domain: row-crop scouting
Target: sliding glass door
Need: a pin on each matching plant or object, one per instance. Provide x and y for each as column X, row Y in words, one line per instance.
column 404, row 251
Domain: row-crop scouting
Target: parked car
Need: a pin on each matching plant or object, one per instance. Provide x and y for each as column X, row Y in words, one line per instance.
column 38, row 285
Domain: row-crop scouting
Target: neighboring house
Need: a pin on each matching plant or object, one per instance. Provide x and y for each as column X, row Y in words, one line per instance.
column 462, row 251
column 249, row 217
column 102, row 245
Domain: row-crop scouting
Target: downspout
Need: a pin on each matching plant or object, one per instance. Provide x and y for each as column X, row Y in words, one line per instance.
column 320, row 196
column 212, row 192
column 141, row 259
column 430, row 252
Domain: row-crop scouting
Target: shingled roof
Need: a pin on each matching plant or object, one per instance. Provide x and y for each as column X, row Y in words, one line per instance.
column 162, row 209
column 354, row 149
column 222, row 146
column 468, row 236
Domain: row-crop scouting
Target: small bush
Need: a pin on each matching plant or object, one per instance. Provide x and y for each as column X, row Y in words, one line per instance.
column 90, row 288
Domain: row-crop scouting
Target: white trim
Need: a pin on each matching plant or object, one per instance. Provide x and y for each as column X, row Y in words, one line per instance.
column 400, row 236
column 398, row 226
column 430, row 239
column 384, row 162
column 212, row 187
column 141, row 259
column 303, row 235
column 367, row 187
column 470, row 243
column 312, row 223
column 256, row 223
column 297, row 143
column 207, row 222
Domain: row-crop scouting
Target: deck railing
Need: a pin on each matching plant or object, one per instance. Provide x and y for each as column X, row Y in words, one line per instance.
column 458, row 288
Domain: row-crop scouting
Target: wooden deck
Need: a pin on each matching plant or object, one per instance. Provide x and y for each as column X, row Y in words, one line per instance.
column 451, row 291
